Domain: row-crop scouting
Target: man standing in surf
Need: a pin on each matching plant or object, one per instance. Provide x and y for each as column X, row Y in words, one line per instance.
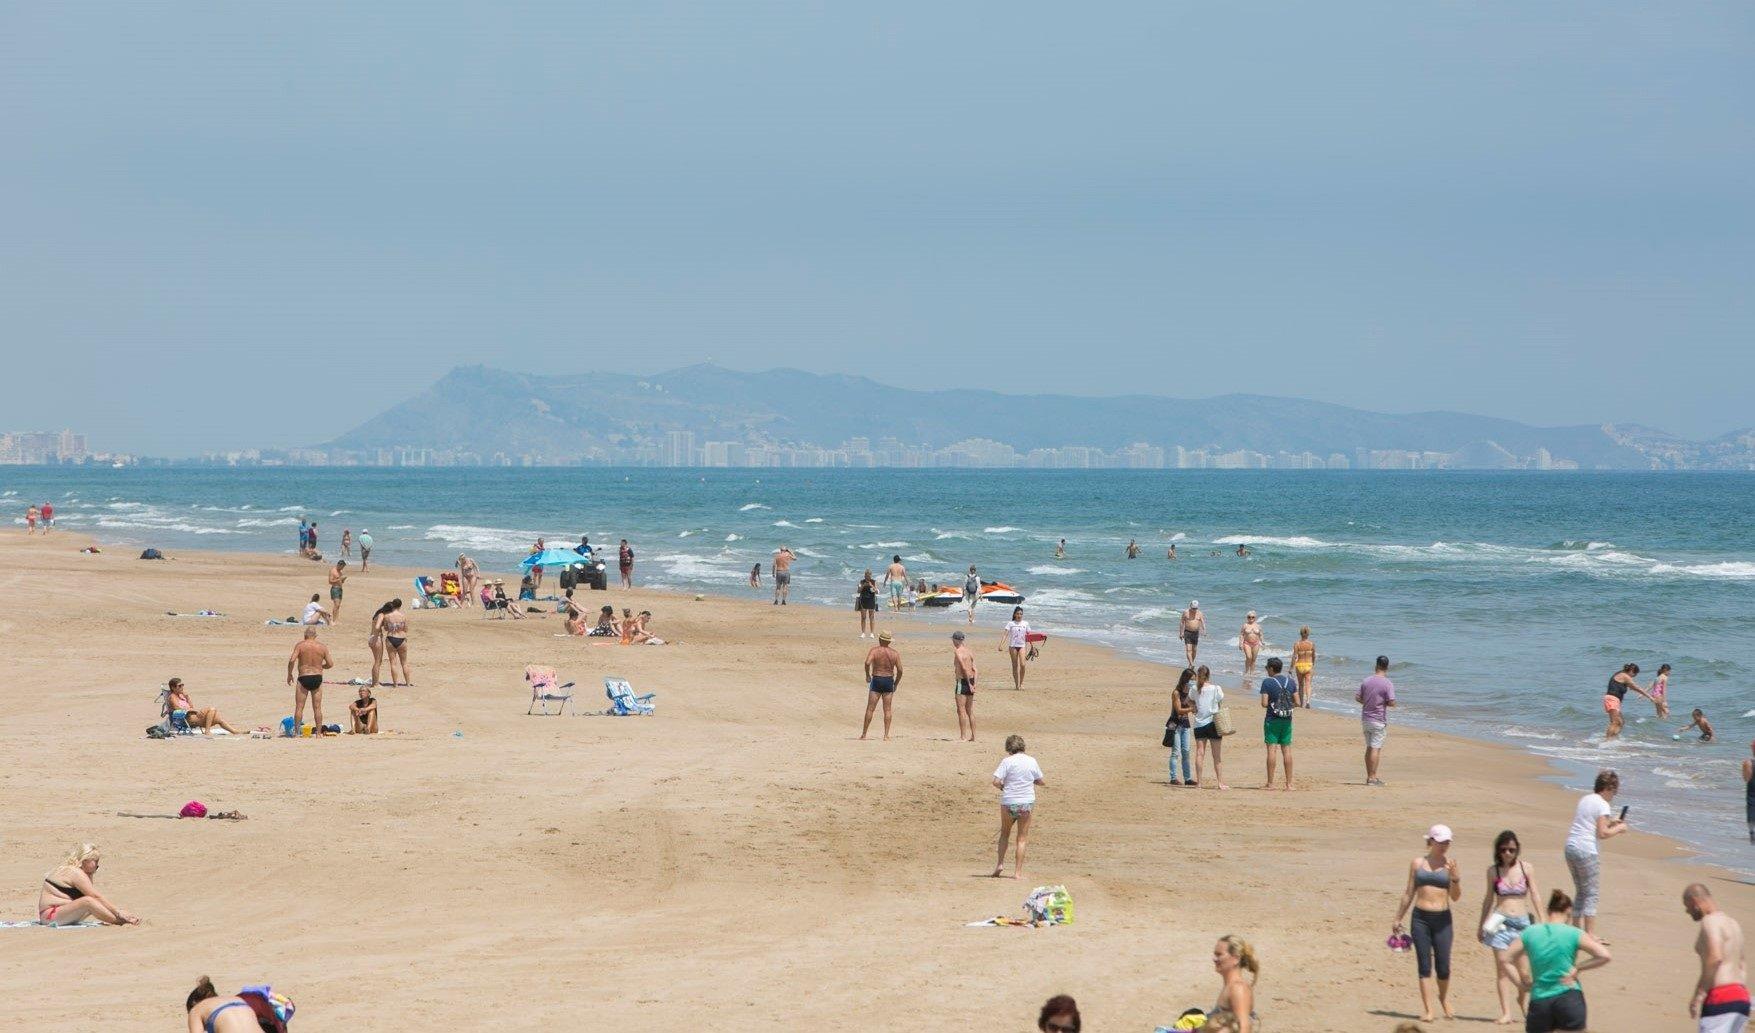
column 1192, row 624
column 783, row 558
column 896, row 578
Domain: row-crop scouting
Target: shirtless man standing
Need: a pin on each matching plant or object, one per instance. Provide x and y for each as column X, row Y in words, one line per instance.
column 883, row 673
column 963, row 670
column 310, row 658
column 783, row 558
column 337, row 577
column 1721, row 997
column 1249, row 640
column 1193, row 623
column 896, row 577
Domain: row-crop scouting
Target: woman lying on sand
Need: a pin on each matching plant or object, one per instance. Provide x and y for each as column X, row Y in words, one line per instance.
column 69, row 896
column 206, row 719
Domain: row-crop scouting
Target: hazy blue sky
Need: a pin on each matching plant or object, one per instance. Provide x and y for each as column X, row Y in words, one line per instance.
column 236, row 224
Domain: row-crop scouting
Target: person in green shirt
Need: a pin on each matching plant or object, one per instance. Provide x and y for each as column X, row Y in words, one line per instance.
column 1544, row 961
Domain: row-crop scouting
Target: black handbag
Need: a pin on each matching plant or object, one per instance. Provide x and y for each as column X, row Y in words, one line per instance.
column 1170, row 730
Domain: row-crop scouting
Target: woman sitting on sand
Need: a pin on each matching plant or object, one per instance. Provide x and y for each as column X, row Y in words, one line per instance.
column 395, row 625
column 211, row 1013
column 177, row 698
column 364, row 713
column 640, row 633
column 1235, row 1008
column 1508, row 906
column 575, row 616
column 68, row 895
column 1433, row 883
column 1060, row 1014
column 607, row 627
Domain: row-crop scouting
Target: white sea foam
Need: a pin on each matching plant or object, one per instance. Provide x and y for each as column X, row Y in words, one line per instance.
column 1150, row 613
column 941, row 535
column 807, row 552
column 784, row 523
column 472, row 536
column 1524, row 733
column 1047, row 569
column 880, row 545
column 734, row 537
column 401, row 527
column 1297, row 541
column 1000, row 530
column 813, row 520
column 746, row 507
column 265, row 522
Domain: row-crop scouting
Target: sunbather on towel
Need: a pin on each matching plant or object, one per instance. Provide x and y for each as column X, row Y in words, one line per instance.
column 69, row 896
column 206, row 719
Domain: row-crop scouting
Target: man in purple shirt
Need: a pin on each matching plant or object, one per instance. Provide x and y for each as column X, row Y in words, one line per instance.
column 1376, row 695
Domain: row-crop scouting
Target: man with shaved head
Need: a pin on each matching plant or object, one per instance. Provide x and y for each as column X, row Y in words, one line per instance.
column 1721, row 998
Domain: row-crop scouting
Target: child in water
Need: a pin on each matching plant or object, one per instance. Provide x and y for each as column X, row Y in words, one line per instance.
column 1660, row 691
column 1699, row 722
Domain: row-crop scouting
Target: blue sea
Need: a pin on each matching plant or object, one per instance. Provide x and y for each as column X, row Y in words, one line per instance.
column 1505, row 600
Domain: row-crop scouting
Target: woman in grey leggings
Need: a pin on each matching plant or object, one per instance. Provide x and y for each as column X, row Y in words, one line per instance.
column 1433, row 883
column 1593, row 822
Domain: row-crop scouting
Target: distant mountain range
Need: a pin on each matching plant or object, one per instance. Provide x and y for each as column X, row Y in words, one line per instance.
column 486, row 411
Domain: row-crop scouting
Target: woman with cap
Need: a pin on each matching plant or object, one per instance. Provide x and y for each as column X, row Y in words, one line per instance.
column 1249, row 640
column 1433, row 884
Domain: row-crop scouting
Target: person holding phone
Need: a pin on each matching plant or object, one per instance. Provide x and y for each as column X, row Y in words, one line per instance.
column 1592, row 823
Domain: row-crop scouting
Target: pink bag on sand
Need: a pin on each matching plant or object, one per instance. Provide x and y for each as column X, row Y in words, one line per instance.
column 193, row 809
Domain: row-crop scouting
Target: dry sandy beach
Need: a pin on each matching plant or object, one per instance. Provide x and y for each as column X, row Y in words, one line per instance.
column 740, row 857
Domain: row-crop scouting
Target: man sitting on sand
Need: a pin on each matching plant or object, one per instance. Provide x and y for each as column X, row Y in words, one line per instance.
column 364, row 712
column 309, row 659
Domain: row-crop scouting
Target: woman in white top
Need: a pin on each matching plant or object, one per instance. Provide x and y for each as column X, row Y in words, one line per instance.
column 1207, row 698
column 1016, row 778
column 1017, row 643
column 1590, row 823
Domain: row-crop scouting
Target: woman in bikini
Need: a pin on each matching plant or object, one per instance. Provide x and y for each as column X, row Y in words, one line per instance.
column 1433, row 884
column 1249, row 640
column 1511, row 886
column 211, row 1013
column 395, row 625
column 68, row 895
column 1304, row 663
column 1235, row 1008
column 375, row 640
column 177, row 698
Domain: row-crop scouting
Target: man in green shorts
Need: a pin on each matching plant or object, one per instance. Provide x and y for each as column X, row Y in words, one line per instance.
column 1281, row 699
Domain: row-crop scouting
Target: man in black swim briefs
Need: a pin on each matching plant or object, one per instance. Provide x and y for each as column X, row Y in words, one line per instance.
column 883, row 674
column 309, row 659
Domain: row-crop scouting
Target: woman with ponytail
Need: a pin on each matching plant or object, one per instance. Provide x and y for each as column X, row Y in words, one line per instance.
column 69, row 895
column 211, row 1013
column 1235, row 1008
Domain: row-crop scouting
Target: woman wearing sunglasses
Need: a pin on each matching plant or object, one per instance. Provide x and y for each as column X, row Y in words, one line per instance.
column 1506, row 913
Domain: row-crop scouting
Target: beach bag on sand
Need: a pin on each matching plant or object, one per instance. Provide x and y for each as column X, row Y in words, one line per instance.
column 273, row 1011
column 151, row 554
column 1050, row 905
column 1222, row 722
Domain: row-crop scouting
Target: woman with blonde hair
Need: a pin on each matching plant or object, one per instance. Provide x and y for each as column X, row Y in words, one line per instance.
column 69, row 896
column 1304, row 663
column 1235, row 1008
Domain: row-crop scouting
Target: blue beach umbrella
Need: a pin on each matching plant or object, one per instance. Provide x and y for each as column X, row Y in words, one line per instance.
column 548, row 558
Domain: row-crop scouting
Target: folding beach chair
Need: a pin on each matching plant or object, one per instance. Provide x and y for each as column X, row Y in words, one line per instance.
column 623, row 702
column 544, row 691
